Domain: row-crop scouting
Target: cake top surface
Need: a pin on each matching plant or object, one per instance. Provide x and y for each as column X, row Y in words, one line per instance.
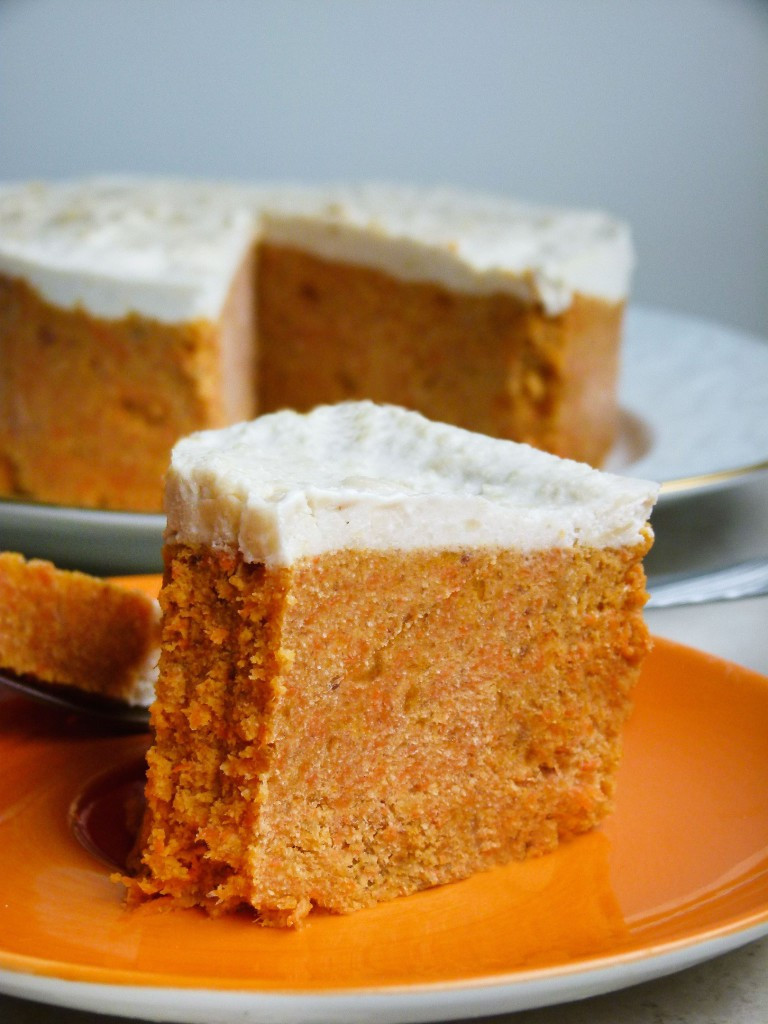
column 363, row 476
column 168, row 248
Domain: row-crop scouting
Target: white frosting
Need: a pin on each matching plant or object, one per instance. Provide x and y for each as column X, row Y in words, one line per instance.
column 168, row 249
column 358, row 475
column 471, row 243
column 165, row 250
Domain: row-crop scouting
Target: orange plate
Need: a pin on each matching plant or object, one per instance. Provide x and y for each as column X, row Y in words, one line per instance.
column 678, row 873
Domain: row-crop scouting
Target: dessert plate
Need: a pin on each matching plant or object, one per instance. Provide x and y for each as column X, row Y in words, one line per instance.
column 692, row 395
column 678, row 874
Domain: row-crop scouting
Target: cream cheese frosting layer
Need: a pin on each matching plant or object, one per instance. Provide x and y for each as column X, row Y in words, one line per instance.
column 357, row 475
column 168, row 249
column 465, row 241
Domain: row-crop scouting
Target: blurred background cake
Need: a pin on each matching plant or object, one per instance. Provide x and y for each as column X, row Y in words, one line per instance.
column 134, row 312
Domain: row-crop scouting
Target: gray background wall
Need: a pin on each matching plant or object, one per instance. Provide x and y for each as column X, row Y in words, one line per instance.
column 655, row 109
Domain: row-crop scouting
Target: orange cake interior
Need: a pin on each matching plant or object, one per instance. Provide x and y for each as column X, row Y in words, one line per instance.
column 491, row 363
column 364, row 725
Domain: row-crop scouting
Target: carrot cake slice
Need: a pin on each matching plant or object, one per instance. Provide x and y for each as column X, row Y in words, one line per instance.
column 138, row 311
column 68, row 628
column 394, row 653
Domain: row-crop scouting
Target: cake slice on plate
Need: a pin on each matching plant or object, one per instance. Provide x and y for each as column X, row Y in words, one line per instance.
column 394, row 653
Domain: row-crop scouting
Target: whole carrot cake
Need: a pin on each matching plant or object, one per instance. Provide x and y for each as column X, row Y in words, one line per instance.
column 394, row 653
column 143, row 310
column 71, row 629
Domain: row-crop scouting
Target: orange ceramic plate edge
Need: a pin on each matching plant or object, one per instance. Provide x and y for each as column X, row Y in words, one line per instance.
column 743, row 931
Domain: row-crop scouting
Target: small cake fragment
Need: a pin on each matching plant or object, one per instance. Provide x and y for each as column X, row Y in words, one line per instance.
column 394, row 653
column 66, row 628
